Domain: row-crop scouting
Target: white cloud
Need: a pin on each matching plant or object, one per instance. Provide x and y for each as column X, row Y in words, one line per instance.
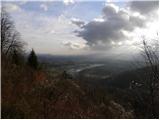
column 47, row 34
column 68, row 2
column 22, row 2
column 11, row 7
column 75, row 45
column 98, row 19
column 78, row 22
column 44, row 7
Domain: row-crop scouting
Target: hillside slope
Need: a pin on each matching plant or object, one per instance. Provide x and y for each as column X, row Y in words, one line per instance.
column 41, row 94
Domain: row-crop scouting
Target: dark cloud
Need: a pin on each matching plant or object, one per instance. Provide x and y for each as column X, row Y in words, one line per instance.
column 115, row 20
column 144, row 7
column 95, row 32
column 112, row 26
column 137, row 22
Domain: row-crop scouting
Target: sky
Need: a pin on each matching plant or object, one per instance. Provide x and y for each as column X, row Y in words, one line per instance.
column 72, row 27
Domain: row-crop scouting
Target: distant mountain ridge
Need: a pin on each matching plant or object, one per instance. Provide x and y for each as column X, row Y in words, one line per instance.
column 82, row 58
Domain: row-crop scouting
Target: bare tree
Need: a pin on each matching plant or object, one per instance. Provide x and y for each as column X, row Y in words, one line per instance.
column 10, row 38
column 150, row 55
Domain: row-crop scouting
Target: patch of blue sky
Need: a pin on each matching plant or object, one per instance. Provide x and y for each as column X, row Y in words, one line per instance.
column 85, row 10
column 55, row 8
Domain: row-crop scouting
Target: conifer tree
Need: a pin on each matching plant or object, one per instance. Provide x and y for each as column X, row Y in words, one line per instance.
column 32, row 60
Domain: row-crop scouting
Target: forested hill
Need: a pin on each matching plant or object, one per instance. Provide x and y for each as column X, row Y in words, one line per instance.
column 39, row 94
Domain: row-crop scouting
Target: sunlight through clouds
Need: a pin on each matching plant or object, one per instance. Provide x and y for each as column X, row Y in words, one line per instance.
column 78, row 27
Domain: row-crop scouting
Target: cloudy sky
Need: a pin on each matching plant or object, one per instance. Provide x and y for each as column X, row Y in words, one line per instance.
column 72, row 27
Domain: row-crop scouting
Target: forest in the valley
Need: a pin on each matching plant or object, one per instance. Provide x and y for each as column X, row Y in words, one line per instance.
column 46, row 86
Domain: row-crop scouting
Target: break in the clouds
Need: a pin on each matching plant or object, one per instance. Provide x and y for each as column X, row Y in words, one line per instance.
column 69, row 27
column 117, row 22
